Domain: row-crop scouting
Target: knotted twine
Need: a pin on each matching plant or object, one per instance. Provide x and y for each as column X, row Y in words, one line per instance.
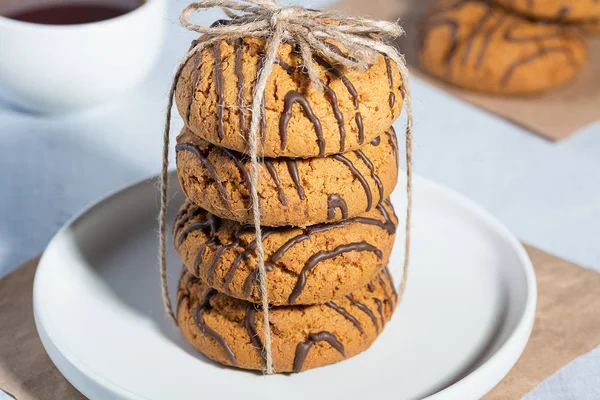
column 310, row 30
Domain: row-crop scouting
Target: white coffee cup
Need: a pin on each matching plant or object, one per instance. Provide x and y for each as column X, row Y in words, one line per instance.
column 59, row 68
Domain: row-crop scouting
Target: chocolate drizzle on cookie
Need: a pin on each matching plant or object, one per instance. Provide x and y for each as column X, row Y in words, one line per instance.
column 215, row 261
column 380, row 310
column 293, row 97
column 337, row 113
column 335, row 201
column 374, row 175
column 206, row 330
column 387, row 224
column 486, row 40
column 352, row 90
column 252, row 278
column 392, row 97
column 474, row 32
column 526, row 60
column 332, row 97
column 250, row 325
column 196, row 75
column 454, row 41
column 200, row 253
column 239, row 73
column 245, row 254
column 339, row 51
column 362, row 307
column 273, row 172
column 510, row 34
column 346, row 315
column 211, row 223
column 326, row 255
column 203, row 157
column 184, row 216
column 290, row 69
column 263, row 117
column 303, row 348
column 185, row 292
column 385, row 291
column 184, row 209
column 356, row 173
column 541, row 52
column 562, row 12
column 292, row 166
column 219, row 86
column 238, row 163
column 238, row 48
column 393, row 141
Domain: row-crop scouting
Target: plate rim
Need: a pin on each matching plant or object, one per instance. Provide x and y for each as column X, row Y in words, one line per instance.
column 497, row 365
column 502, row 359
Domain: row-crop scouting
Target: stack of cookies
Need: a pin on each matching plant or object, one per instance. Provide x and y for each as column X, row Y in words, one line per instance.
column 329, row 161
column 506, row 47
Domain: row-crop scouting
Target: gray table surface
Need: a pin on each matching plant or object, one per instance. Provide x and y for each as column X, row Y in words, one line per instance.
column 547, row 193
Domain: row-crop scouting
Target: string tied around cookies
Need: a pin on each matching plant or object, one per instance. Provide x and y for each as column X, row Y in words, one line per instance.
column 312, row 32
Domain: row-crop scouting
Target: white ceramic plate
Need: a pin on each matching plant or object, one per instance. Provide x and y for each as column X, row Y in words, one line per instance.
column 465, row 319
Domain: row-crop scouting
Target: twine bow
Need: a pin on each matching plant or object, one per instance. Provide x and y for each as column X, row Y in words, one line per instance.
column 311, row 30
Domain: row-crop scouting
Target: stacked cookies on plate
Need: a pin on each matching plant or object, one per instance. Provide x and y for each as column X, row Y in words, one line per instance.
column 329, row 161
column 506, row 47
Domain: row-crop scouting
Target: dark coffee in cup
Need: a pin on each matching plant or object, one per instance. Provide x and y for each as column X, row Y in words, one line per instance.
column 72, row 12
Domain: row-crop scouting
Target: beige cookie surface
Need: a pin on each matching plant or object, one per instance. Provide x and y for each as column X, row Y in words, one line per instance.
column 214, row 99
column 554, row 10
column 305, row 265
column 231, row 331
column 298, row 192
column 479, row 46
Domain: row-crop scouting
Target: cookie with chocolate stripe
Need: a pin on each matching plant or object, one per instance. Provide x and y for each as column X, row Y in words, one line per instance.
column 231, row 331
column 479, row 46
column 554, row 10
column 214, row 97
column 297, row 192
column 304, row 265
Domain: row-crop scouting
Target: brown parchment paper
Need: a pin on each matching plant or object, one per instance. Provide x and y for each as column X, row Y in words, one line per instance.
column 567, row 325
column 554, row 115
column 26, row 371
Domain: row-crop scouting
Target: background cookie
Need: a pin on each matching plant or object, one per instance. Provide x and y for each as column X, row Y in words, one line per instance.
column 559, row 10
column 230, row 331
column 295, row 192
column 300, row 121
column 591, row 27
column 479, row 46
column 310, row 265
